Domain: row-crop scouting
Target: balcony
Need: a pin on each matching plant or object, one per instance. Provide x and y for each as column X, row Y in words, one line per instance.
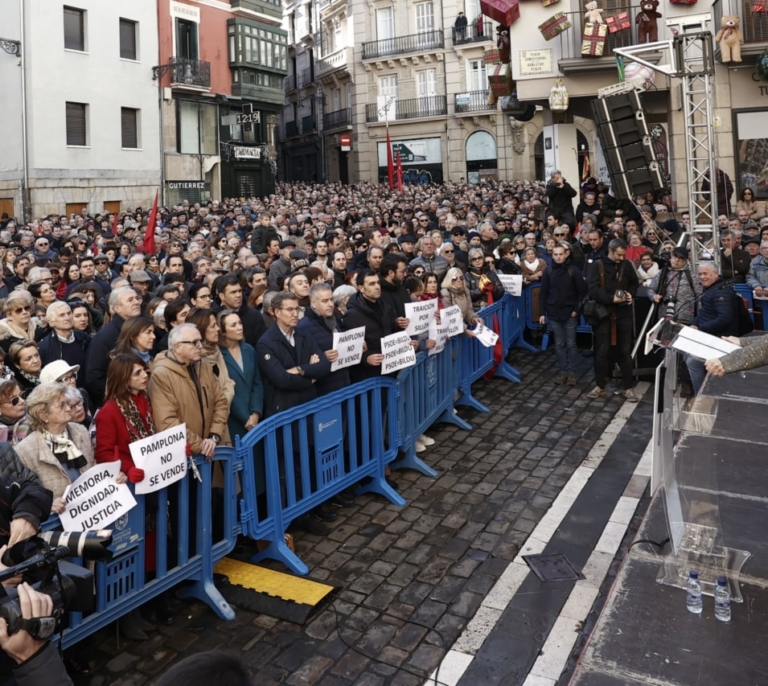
column 307, row 77
column 271, row 8
column 290, row 83
column 414, row 108
column 192, row 74
column 292, row 129
column 475, row 32
column 337, row 119
column 417, row 42
column 334, row 62
column 754, row 26
column 472, row 101
column 309, row 124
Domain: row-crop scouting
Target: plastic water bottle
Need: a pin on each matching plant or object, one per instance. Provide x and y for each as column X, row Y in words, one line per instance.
column 693, row 601
column 722, row 600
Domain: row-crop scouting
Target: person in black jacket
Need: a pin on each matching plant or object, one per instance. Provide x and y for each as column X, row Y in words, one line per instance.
column 613, row 283
column 263, row 233
column 392, row 273
column 123, row 303
column 230, row 294
column 319, row 324
column 561, row 194
column 562, row 290
column 63, row 342
column 366, row 308
column 290, row 362
column 718, row 316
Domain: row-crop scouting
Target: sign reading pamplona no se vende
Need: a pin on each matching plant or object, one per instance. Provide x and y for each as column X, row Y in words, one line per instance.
column 163, row 457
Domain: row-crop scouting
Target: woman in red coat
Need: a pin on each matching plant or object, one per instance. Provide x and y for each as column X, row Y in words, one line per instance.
column 126, row 417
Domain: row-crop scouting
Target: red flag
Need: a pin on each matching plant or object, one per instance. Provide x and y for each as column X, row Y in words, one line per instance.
column 149, row 235
column 399, row 173
column 114, row 226
column 587, row 169
column 390, row 163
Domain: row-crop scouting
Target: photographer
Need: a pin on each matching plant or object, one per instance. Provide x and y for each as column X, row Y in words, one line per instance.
column 561, row 194
column 674, row 286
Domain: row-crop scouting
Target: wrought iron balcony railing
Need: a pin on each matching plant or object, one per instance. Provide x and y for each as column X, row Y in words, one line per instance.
column 432, row 106
column 334, row 120
column 472, row 101
column 474, row 32
column 417, row 42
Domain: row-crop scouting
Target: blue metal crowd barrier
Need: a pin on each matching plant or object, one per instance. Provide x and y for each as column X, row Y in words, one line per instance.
column 477, row 360
column 426, row 392
column 298, row 459
column 184, row 554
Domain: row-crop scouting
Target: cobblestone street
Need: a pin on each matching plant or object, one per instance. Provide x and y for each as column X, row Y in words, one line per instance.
column 410, row 578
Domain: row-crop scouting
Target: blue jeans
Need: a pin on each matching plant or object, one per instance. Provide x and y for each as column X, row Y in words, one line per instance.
column 697, row 371
column 565, row 342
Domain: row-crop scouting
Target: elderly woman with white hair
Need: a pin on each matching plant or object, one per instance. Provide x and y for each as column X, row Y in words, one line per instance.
column 455, row 292
column 341, row 296
column 57, row 449
column 18, row 324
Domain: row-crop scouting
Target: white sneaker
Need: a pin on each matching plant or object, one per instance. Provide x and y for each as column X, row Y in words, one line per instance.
column 426, row 440
column 419, row 446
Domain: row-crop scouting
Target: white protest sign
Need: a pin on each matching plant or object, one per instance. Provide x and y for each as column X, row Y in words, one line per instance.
column 163, row 457
column 398, row 352
column 95, row 500
column 513, row 283
column 419, row 316
column 349, row 345
column 453, row 320
column 439, row 334
column 485, row 335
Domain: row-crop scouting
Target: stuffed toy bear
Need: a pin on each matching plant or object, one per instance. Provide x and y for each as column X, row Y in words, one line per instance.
column 593, row 15
column 729, row 37
column 502, row 43
column 647, row 26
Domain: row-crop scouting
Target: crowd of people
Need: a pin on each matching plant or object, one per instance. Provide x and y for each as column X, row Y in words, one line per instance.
column 230, row 319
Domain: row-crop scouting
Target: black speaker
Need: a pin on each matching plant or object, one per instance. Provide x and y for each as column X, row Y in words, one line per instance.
column 630, row 184
column 630, row 156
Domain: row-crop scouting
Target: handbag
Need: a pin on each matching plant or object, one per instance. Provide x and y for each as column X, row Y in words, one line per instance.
column 593, row 311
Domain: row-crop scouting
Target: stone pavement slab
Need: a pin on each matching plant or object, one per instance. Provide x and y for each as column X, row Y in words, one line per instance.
column 410, row 578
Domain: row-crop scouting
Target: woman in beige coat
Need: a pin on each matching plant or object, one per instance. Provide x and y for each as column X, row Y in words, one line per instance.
column 454, row 291
column 57, row 450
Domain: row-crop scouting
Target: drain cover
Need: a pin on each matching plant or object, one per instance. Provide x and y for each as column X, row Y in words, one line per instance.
column 553, row 567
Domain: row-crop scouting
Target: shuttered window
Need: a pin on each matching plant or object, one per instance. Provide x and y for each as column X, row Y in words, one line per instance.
column 74, row 29
column 77, row 128
column 128, row 39
column 129, row 122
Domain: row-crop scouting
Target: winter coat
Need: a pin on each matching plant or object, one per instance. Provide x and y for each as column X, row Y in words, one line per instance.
column 9, row 333
column 261, row 237
column 112, row 437
column 276, row 355
column 736, row 266
column 22, row 500
column 395, row 297
column 215, row 359
column 377, row 319
column 52, row 348
column 176, row 399
column 45, row 667
column 758, row 273
column 35, row 454
column 253, row 324
column 313, row 326
column 13, row 469
column 647, row 277
column 718, row 314
column 724, row 191
column 249, row 390
column 561, row 201
column 473, row 281
column 616, row 275
column 99, row 350
column 461, row 298
column 682, row 287
column 562, row 290
column 278, row 270
column 432, row 265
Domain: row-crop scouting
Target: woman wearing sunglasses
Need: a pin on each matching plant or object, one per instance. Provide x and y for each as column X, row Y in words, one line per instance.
column 14, row 425
column 17, row 324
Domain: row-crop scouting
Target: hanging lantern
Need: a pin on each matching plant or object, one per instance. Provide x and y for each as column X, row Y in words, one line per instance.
column 636, row 70
column 761, row 66
column 558, row 97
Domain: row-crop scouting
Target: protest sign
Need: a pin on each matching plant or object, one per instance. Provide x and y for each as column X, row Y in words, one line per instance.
column 419, row 315
column 453, row 320
column 163, row 457
column 95, row 500
column 349, row 345
column 398, row 352
column 485, row 335
column 439, row 334
column 513, row 283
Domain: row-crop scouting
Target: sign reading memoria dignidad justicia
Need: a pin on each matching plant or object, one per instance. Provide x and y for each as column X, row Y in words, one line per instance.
column 163, row 457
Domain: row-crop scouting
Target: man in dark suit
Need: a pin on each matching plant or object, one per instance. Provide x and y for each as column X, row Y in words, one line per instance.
column 230, row 294
column 290, row 362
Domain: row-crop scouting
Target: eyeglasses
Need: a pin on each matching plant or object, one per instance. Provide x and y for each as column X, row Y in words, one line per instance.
column 559, row 235
column 292, row 310
column 19, row 310
column 474, row 259
column 67, row 378
column 42, row 243
column 457, row 278
column 197, row 341
column 207, row 296
column 13, row 401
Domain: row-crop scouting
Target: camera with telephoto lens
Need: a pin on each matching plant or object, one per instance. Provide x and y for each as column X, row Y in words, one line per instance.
column 40, row 562
column 669, row 311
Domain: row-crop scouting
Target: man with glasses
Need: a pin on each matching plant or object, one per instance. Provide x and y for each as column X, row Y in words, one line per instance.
column 290, row 362
column 43, row 249
column 184, row 390
column 613, row 283
column 63, row 342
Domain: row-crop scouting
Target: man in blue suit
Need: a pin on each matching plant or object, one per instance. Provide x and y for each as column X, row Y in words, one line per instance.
column 290, row 362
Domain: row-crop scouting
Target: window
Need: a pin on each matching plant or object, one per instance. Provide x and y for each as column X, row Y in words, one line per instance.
column 197, row 128
column 425, row 17
column 385, row 23
column 128, row 49
column 427, row 82
column 477, row 77
column 129, row 125
column 472, row 9
column 388, row 85
column 258, row 45
column 74, row 29
column 186, row 39
column 77, row 123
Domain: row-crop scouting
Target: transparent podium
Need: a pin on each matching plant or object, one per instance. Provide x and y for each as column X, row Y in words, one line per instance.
column 710, row 455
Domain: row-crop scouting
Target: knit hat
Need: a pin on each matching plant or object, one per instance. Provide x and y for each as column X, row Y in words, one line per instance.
column 681, row 251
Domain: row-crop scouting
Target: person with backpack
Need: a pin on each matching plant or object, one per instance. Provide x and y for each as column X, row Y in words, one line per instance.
column 562, row 290
column 719, row 315
column 674, row 290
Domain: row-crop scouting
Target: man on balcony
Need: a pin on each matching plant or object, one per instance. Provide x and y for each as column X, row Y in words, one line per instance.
column 460, row 28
